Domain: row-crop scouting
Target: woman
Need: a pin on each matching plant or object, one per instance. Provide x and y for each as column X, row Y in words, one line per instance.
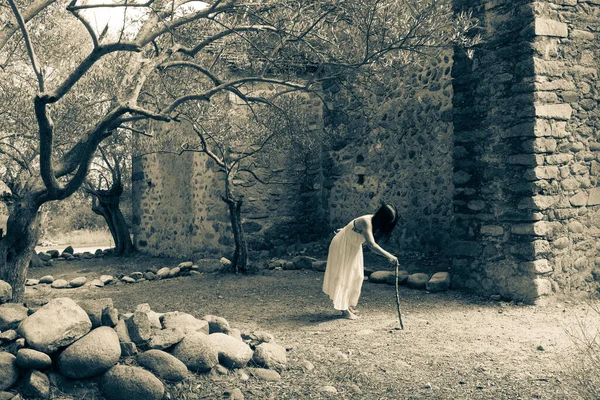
column 344, row 273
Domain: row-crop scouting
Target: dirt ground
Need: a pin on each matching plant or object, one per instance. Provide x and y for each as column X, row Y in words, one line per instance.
column 454, row 346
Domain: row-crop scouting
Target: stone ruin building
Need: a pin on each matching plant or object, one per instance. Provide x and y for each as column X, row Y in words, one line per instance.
column 493, row 161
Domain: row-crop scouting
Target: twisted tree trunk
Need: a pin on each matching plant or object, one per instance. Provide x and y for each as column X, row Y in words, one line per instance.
column 240, row 255
column 106, row 203
column 17, row 246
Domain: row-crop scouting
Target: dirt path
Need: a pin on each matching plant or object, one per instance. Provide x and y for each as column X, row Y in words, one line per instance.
column 455, row 346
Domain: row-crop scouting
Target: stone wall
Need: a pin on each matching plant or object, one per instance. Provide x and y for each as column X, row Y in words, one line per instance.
column 395, row 145
column 178, row 209
column 518, row 211
column 525, row 111
column 566, row 59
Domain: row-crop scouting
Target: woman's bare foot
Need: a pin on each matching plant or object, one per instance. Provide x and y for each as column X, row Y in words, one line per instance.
column 353, row 310
column 349, row 315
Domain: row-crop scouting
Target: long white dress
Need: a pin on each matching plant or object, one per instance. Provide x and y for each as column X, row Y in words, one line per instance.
column 345, row 273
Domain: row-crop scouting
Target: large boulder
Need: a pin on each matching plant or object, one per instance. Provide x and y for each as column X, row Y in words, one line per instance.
column 319, row 266
column 196, row 352
column 216, row 324
column 123, row 382
column 122, row 331
column 417, row 281
column 163, row 272
column 94, row 309
column 270, row 355
column 268, row 375
column 9, row 372
column 153, row 316
column 68, row 250
column 60, row 284
column 57, row 324
column 11, row 315
column 36, row 385
column 33, row 359
column 402, row 278
column 301, row 262
column 139, row 328
column 164, row 338
column 77, row 282
column 53, row 253
column 91, row 355
column 163, row 364
column 233, row 353
column 439, row 282
column 380, row 276
column 185, row 322
column 5, row 292
column 48, row 279
column 44, row 256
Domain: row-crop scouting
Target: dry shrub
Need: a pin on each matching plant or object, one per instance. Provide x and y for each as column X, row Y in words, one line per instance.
column 584, row 369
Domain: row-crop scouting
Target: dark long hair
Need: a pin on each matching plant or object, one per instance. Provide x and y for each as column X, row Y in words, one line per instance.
column 384, row 221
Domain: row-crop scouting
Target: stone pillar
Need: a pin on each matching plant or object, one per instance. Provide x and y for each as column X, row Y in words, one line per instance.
column 499, row 233
column 525, row 162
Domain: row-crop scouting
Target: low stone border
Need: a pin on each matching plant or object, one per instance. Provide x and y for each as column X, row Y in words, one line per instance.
column 183, row 269
column 130, row 356
column 440, row 281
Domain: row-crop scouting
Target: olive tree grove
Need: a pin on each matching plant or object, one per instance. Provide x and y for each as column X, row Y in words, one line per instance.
column 115, row 78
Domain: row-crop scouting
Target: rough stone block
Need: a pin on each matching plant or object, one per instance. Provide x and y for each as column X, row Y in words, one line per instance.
column 549, row 68
column 543, row 286
column 538, row 173
column 548, row 27
column 547, row 128
column 582, row 35
column 558, row 159
column 539, row 145
column 537, row 202
column 491, row 230
column 535, row 229
column 555, row 111
column 594, row 197
column 439, row 282
column 579, row 200
column 536, row 267
column 530, row 160
column 562, row 243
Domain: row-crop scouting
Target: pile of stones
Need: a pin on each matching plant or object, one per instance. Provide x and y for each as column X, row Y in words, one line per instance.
column 130, row 356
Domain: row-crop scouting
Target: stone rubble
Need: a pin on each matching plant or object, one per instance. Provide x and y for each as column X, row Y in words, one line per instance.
column 66, row 341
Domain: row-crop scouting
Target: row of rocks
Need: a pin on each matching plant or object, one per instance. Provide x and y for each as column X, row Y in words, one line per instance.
column 129, row 355
column 44, row 258
column 183, row 269
column 438, row 282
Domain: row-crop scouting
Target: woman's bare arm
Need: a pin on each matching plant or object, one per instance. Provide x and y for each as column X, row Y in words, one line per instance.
column 364, row 224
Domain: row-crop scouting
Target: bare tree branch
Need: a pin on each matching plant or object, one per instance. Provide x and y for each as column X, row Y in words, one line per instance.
column 10, row 28
column 30, row 50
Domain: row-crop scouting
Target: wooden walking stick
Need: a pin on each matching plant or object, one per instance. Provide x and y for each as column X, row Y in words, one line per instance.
column 398, row 298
